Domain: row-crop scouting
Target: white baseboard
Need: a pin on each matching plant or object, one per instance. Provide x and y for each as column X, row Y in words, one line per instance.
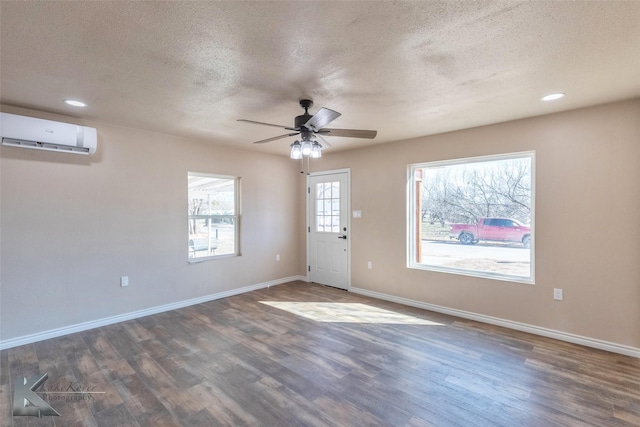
column 550, row 333
column 66, row 330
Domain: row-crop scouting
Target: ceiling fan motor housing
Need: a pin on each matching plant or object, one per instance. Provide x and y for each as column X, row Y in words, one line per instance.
column 304, row 118
column 301, row 120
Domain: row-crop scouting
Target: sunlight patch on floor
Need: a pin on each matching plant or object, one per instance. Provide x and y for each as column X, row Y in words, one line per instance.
column 346, row 312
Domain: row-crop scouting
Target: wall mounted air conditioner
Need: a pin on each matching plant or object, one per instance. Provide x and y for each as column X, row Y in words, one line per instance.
column 39, row 134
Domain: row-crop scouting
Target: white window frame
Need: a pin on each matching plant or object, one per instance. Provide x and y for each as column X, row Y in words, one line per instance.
column 412, row 219
column 236, row 217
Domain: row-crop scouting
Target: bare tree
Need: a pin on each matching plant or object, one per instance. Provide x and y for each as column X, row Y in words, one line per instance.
column 194, row 209
column 464, row 193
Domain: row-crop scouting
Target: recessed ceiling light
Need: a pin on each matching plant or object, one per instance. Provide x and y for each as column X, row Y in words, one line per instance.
column 552, row 96
column 75, row 103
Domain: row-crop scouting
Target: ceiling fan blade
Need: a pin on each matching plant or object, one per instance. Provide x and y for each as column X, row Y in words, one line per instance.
column 349, row 133
column 323, row 141
column 322, row 118
column 262, row 141
column 266, row 124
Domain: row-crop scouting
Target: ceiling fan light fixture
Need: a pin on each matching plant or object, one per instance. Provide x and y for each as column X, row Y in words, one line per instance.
column 296, row 152
column 306, row 148
column 316, row 150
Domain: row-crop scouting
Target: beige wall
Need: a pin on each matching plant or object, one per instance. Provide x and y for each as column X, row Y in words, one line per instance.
column 72, row 225
column 586, row 221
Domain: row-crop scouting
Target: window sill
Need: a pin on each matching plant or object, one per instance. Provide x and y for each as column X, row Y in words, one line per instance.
column 211, row 258
column 474, row 273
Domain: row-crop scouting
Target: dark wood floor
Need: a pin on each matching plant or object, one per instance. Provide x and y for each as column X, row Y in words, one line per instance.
column 238, row 361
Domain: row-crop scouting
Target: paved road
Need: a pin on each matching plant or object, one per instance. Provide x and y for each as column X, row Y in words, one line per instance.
column 441, row 252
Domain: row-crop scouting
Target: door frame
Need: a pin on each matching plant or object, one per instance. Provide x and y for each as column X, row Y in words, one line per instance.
column 310, row 212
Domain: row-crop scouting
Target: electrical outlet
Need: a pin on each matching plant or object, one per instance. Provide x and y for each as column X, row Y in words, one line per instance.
column 278, row 257
column 557, row 294
column 124, row 281
column 369, row 265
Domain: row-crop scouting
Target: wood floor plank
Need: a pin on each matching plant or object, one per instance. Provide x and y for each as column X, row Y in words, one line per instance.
column 108, row 397
column 239, row 361
column 22, row 362
column 115, row 416
column 290, row 407
column 138, row 398
column 158, row 419
column 180, row 373
column 178, row 401
column 241, row 400
column 306, row 387
column 343, row 413
column 136, row 331
column 227, row 411
column 6, row 402
column 106, row 356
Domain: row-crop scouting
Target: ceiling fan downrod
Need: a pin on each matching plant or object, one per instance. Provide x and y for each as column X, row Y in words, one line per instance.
column 306, row 104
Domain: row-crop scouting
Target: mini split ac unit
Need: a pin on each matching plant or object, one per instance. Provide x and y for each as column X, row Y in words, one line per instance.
column 39, row 134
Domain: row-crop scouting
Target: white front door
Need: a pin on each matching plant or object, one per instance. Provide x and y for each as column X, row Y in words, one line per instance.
column 328, row 219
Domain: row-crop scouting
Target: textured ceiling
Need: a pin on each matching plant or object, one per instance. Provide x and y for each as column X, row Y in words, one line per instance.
column 407, row 69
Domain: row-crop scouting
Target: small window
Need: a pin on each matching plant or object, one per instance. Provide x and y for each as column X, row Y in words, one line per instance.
column 473, row 216
column 213, row 216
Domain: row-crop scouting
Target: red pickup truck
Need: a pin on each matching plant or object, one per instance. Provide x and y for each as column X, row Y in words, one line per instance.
column 492, row 229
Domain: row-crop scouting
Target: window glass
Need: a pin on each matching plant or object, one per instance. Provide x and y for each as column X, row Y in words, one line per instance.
column 473, row 216
column 213, row 216
column 328, row 207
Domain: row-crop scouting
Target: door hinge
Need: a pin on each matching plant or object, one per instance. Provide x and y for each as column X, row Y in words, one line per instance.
column 308, row 190
column 309, row 268
column 309, row 230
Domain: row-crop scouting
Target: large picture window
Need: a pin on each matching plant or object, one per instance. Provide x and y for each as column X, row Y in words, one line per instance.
column 213, row 216
column 473, row 216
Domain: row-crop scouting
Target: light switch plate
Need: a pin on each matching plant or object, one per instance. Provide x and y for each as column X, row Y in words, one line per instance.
column 557, row 294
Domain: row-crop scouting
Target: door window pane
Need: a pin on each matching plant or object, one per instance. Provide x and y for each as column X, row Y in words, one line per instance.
column 328, row 207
